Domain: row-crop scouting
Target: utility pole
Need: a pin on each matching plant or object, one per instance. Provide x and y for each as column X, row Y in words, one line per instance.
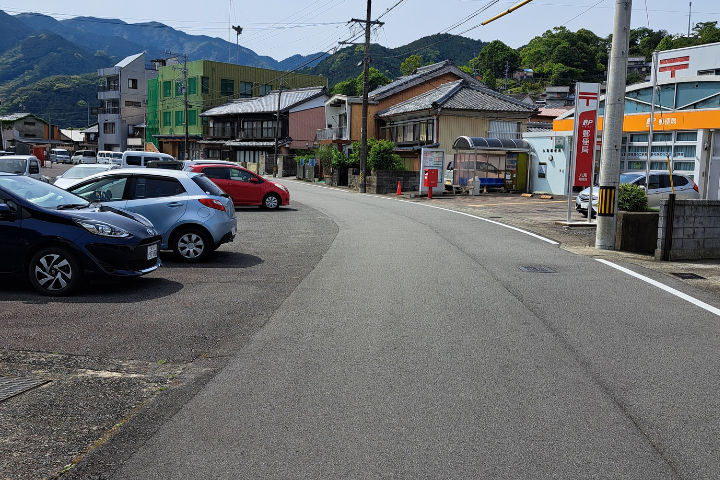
column 507, row 67
column 277, row 130
column 185, row 95
column 366, row 72
column 689, row 19
column 238, row 31
column 613, row 128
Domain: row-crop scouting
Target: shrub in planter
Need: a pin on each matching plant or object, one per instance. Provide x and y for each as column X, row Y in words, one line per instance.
column 632, row 198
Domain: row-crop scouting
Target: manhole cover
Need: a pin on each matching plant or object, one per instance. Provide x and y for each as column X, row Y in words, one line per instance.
column 536, row 269
column 687, row 276
column 11, row 386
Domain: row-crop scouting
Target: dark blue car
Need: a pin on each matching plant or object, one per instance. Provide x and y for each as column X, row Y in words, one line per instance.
column 57, row 239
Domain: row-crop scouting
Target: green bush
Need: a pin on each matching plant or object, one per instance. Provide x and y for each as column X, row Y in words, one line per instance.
column 380, row 155
column 632, row 198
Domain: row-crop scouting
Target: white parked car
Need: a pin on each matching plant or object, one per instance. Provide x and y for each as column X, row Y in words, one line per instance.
column 78, row 172
column 84, row 156
column 59, row 155
column 131, row 159
column 658, row 189
column 27, row 165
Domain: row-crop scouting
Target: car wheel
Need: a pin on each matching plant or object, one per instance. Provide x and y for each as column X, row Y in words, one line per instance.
column 271, row 201
column 192, row 245
column 54, row 271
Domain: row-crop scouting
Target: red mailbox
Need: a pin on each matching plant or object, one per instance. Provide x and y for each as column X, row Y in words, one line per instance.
column 431, row 178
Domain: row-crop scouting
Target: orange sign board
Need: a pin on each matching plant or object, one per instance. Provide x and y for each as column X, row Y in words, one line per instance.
column 682, row 120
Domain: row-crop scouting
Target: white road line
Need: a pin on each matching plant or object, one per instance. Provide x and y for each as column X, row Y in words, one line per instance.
column 662, row 286
column 551, row 242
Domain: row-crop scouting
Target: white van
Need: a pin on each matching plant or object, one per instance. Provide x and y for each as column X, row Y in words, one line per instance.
column 84, row 156
column 104, row 156
column 59, row 155
column 132, row 159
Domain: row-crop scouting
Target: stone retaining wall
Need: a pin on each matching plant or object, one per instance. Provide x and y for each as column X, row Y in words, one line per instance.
column 696, row 230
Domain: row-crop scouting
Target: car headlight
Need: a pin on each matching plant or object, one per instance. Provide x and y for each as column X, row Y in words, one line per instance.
column 281, row 187
column 103, row 229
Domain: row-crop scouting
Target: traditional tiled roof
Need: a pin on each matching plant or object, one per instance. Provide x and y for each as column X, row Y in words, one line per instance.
column 14, row 117
column 460, row 95
column 269, row 103
column 421, row 75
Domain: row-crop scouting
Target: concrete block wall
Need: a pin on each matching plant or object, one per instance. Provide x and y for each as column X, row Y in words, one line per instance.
column 386, row 181
column 696, row 230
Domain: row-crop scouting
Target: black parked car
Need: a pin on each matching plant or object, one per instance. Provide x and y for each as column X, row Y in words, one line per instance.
column 56, row 238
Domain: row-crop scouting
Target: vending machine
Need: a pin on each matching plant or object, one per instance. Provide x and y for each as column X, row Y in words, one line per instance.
column 516, row 171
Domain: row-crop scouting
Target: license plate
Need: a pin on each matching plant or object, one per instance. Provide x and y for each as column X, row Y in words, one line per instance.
column 583, row 205
column 152, row 252
column 234, row 230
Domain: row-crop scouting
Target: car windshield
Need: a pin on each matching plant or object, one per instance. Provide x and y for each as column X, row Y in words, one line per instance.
column 40, row 193
column 625, row 178
column 13, row 165
column 61, row 152
column 82, row 172
column 117, row 155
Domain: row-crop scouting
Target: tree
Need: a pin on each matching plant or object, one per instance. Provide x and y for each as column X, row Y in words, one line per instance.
column 494, row 57
column 707, row 32
column 665, row 44
column 347, row 87
column 382, row 156
column 375, row 80
column 489, row 79
column 410, row 64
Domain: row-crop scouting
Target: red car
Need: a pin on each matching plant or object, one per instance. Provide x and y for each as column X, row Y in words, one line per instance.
column 243, row 186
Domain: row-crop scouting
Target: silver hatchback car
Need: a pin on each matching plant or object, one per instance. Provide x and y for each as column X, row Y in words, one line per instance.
column 659, row 189
column 193, row 215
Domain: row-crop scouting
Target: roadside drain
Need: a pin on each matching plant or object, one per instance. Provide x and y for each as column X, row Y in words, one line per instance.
column 687, row 276
column 11, row 386
column 536, row 269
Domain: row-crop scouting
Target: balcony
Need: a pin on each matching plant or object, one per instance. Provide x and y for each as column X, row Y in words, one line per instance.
column 113, row 87
column 332, row 134
column 108, row 92
column 109, row 111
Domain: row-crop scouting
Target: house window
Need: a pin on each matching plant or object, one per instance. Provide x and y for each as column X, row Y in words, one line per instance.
column 29, row 124
column 132, row 83
column 108, row 128
column 204, row 85
column 192, row 117
column 265, row 89
column 227, row 87
column 179, row 118
column 178, row 88
column 192, row 86
column 167, row 89
column 167, row 119
column 246, row 89
column 129, row 103
column 268, row 129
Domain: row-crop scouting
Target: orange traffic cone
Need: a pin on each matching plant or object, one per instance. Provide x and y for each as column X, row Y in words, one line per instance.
column 399, row 192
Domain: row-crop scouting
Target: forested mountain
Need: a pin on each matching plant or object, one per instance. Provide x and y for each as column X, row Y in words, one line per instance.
column 435, row 48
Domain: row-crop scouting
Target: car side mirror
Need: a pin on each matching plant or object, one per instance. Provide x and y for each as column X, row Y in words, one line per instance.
column 254, row 180
column 5, row 212
column 643, row 187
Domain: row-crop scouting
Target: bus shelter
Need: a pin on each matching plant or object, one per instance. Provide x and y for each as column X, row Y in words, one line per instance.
column 482, row 163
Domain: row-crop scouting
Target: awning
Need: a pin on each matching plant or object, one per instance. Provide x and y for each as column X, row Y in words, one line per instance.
column 480, row 143
column 417, row 148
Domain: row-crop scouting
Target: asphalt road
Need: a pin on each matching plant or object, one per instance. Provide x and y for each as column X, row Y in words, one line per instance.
column 416, row 348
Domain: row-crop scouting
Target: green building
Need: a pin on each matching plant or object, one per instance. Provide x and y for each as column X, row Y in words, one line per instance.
column 210, row 84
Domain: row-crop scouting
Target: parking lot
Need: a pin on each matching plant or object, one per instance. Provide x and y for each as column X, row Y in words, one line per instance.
column 109, row 349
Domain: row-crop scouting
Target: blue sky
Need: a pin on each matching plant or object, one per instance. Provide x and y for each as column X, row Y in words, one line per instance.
column 281, row 28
